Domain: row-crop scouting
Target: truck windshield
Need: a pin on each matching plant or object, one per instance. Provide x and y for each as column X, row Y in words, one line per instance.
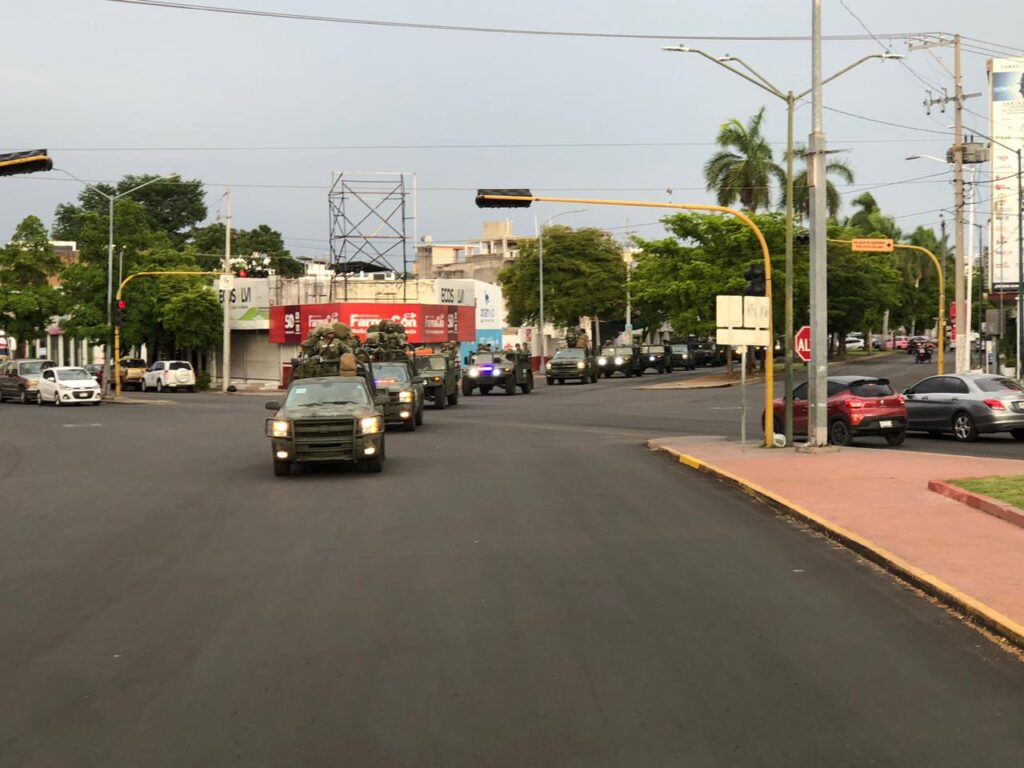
column 432, row 363
column 31, row 369
column 390, row 374
column 623, row 351
column 324, row 392
column 680, row 349
column 570, row 354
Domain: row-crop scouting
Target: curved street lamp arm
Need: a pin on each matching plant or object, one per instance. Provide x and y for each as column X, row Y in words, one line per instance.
column 844, row 70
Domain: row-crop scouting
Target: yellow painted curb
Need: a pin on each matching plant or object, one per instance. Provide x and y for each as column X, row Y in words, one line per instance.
column 977, row 611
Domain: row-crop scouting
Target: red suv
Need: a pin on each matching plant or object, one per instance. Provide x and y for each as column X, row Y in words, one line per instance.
column 858, row 406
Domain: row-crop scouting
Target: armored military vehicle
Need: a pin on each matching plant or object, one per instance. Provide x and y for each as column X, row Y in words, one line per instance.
column 327, row 419
column 397, row 377
column 621, row 359
column 440, row 374
column 486, row 370
column 657, row 357
column 572, row 363
column 682, row 356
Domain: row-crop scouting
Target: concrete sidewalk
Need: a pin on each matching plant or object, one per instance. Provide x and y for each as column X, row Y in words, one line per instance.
column 877, row 501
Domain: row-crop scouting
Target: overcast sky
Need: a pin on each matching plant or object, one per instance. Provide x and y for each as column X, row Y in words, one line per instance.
column 112, row 89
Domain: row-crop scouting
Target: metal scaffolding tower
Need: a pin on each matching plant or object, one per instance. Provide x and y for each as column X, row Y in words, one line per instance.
column 368, row 225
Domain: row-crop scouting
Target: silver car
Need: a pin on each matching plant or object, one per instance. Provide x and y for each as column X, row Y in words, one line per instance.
column 967, row 405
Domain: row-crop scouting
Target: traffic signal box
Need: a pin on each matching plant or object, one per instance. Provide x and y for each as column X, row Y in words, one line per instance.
column 29, row 161
column 755, row 280
column 119, row 312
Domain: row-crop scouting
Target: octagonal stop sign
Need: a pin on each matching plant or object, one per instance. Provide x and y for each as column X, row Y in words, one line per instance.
column 802, row 343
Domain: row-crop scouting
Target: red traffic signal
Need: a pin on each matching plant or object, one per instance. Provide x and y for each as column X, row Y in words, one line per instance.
column 242, row 273
column 29, row 161
column 120, row 310
column 482, row 196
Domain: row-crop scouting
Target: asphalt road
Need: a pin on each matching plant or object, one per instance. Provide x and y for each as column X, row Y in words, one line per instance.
column 525, row 585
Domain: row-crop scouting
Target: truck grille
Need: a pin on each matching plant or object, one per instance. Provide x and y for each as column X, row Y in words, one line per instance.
column 324, row 439
column 565, row 368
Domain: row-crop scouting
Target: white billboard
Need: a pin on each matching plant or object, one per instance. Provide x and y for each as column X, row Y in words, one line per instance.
column 1006, row 84
column 250, row 303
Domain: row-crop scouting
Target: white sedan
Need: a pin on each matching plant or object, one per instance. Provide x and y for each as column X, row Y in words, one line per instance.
column 68, row 386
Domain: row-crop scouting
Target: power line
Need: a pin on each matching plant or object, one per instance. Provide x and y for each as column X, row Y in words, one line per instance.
column 168, row 4
column 886, row 122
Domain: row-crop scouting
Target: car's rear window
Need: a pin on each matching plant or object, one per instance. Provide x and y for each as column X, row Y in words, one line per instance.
column 180, row 366
column 998, row 385
column 133, row 363
column 879, row 388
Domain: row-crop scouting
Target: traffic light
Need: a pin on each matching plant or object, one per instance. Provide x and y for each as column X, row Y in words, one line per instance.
column 802, row 238
column 482, row 203
column 241, row 272
column 755, row 278
column 119, row 312
column 29, row 161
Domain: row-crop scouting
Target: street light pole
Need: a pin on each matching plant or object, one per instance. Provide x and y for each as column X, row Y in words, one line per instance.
column 540, row 275
column 753, row 76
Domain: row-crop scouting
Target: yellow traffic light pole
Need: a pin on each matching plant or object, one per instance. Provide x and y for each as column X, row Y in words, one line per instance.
column 942, row 293
column 117, row 328
column 769, row 412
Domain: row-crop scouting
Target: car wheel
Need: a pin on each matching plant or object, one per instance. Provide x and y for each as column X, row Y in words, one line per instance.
column 56, row 399
column 23, row 397
column 510, row 385
column 561, row 381
column 964, row 428
column 142, row 386
column 410, row 425
column 418, row 418
column 839, row 433
column 629, row 374
column 159, row 386
column 282, row 468
column 375, row 464
column 607, row 374
column 39, row 399
column 1018, row 434
column 527, row 385
column 467, row 387
column 896, row 438
column 550, row 380
column 440, row 401
column 453, row 398
column 593, row 379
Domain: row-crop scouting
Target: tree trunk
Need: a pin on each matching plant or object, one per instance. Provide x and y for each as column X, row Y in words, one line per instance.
column 728, row 361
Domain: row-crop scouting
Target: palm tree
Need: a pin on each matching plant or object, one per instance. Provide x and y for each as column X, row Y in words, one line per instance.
column 870, row 220
column 802, row 192
column 743, row 169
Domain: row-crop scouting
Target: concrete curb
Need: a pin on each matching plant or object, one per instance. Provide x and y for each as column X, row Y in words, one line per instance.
column 130, row 401
column 1002, row 510
column 973, row 610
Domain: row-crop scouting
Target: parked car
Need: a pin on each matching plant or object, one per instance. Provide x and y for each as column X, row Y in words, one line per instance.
column 66, row 385
column 858, row 406
column 854, row 342
column 132, row 371
column 19, row 379
column 899, row 342
column 966, row 404
column 169, row 374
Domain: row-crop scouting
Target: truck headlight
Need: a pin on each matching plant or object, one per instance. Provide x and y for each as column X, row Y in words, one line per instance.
column 602, row 361
column 619, row 361
column 370, row 425
column 405, row 396
column 549, row 366
column 581, row 365
column 278, row 428
column 497, row 371
column 652, row 358
column 474, row 372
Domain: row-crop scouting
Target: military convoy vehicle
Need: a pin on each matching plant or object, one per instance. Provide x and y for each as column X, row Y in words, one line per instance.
column 682, row 356
column 328, row 419
column 440, row 374
column 404, row 388
column 508, row 370
column 656, row 356
column 621, row 359
column 572, row 363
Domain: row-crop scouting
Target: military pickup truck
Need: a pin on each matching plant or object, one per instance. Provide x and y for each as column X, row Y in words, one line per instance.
column 682, row 357
column 404, row 388
column 624, row 360
column 440, row 375
column 572, row 363
column 487, row 370
column 656, row 356
column 327, row 419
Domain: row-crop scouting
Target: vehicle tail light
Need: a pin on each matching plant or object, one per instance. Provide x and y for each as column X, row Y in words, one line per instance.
column 901, row 400
column 857, row 418
column 854, row 403
column 995, row 405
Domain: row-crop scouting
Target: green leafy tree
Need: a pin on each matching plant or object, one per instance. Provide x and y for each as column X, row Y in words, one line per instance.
column 584, row 274
column 743, row 169
column 28, row 268
column 171, row 205
column 802, row 192
column 208, row 242
column 194, row 318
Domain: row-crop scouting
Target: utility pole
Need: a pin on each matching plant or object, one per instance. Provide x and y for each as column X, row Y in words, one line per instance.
column 228, row 287
column 817, row 380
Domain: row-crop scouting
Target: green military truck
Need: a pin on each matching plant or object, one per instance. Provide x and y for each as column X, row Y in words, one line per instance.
column 657, row 357
column 507, row 370
column 621, row 359
column 440, row 374
column 327, row 419
column 397, row 378
column 572, row 363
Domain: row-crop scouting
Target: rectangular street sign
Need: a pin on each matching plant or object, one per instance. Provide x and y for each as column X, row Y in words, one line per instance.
column 742, row 337
column 729, row 311
column 757, row 312
column 872, row 244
